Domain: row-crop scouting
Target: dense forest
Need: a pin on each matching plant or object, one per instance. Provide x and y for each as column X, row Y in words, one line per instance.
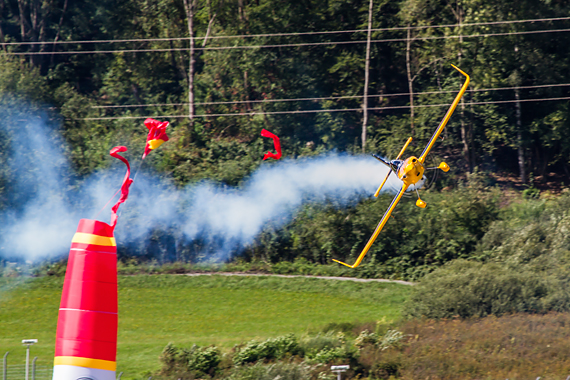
column 326, row 76
column 297, row 68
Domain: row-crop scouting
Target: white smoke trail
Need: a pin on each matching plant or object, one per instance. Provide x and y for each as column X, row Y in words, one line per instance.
column 44, row 224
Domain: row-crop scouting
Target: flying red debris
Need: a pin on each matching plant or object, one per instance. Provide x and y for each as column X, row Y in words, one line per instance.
column 266, row 133
column 156, row 134
column 126, row 182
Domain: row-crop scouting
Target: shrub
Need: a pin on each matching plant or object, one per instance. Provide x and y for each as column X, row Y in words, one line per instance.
column 267, row 350
column 385, row 370
column 471, row 289
column 332, row 355
column 392, row 338
column 204, row 360
column 333, row 349
column 198, row 361
column 281, row 371
column 312, row 345
column 533, row 232
column 366, row 338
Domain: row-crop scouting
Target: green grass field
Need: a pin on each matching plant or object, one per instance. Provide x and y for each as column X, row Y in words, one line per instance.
column 204, row 310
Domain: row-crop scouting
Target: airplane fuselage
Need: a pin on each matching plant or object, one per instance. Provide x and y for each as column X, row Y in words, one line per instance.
column 411, row 171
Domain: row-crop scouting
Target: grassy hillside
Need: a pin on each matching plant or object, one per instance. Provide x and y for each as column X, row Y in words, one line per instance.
column 156, row 310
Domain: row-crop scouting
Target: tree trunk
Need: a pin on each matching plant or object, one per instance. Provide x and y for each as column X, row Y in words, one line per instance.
column 519, row 138
column 1, row 26
column 22, row 19
column 465, row 133
column 240, row 10
column 210, row 23
column 470, row 137
column 410, row 79
column 58, row 30
column 366, row 79
column 39, row 12
column 246, row 91
column 189, row 6
column 34, row 30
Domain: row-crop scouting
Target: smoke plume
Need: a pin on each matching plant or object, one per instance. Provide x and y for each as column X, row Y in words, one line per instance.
column 42, row 202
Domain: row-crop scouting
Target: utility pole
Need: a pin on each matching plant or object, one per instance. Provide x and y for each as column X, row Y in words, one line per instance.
column 366, row 79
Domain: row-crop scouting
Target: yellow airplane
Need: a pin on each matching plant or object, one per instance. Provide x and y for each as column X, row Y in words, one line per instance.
column 410, row 172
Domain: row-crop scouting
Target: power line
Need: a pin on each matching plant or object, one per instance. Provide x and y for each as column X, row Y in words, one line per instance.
column 294, row 34
column 484, row 35
column 331, row 97
column 255, row 113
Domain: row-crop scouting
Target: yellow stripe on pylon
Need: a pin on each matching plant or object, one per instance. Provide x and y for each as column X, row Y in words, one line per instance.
column 85, row 362
column 83, row 238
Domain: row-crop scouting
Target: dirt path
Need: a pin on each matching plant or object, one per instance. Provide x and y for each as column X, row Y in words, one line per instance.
column 301, row 276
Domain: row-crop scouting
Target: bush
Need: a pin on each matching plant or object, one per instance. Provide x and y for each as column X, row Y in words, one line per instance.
column 281, row 371
column 337, row 355
column 385, row 370
column 531, row 232
column 366, row 338
column 392, row 338
column 329, row 349
column 196, row 362
column 204, row 360
column 267, row 350
column 471, row 289
column 328, row 341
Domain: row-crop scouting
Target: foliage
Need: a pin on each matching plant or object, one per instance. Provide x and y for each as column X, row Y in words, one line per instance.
column 471, row 289
column 270, row 349
column 332, row 355
column 390, row 339
column 250, row 81
column 328, row 348
column 282, row 371
column 328, row 341
column 533, row 232
column 519, row 346
column 197, row 361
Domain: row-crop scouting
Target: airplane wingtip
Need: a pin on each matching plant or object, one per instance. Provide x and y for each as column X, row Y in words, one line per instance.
column 345, row 264
column 458, row 69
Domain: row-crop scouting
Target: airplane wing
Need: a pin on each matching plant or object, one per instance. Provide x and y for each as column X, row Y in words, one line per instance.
column 442, row 124
column 383, row 182
column 378, row 228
